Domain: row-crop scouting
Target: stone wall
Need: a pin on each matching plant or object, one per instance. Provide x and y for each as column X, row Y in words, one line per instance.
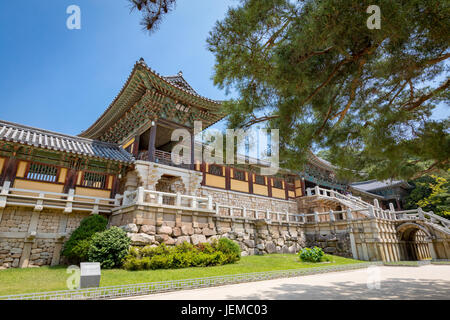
column 147, row 225
column 29, row 238
column 237, row 199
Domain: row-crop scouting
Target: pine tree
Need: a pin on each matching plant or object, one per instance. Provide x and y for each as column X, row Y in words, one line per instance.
column 316, row 71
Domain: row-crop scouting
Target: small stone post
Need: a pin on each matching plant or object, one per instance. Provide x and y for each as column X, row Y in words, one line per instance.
column 332, row 217
column 140, row 196
column 349, row 214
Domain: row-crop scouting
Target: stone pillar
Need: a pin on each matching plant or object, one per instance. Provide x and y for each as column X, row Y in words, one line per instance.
column 60, row 240
column 29, row 240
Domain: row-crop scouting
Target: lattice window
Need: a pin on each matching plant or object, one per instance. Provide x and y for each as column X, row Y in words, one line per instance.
column 215, row 170
column 277, row 184
column 239, row 175
column 42, row 172
column 260, row 180
column 94, row 180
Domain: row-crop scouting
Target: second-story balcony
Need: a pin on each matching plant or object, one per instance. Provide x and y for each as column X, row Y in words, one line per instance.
column 163, row 157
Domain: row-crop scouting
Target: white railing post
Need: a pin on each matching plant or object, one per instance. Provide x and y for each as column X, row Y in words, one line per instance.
column 96, row 207
column 308, row 192
column 349, row 214
column 267, row 214
column 287, row 216
column 391, row 207
column 194, row 203
column 178, row 200
column 231, row 212
column 332, row 217
column 332, row 194
column 39, row 203
column 116, row 200
column 317, row 191
column 371, row 211
column 244, row 212
column 140, row 196
column 375, row 203
column 217, row 209
column 125, row 200
column 69, row 203
column 210, row 202
column 316, row 216
column 4, row 193
column 420, row 212
column 160, row 199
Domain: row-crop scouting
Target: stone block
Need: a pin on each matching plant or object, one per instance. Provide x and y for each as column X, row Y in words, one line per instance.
column 270, row 247
column 139, row 239
column 198, row 238
column 130, row 228
column 187, row 230
column 176, row 232
column 148, row 229
column 182, row 239
column 164, row 230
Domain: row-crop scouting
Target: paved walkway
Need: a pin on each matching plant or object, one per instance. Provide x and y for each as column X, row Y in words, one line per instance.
column 425, row 282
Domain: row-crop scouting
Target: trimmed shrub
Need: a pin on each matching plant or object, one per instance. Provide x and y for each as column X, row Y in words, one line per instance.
column 76, row 248
column 109, row 247
column 230, row 249
column 311, row 255
column 182, row 256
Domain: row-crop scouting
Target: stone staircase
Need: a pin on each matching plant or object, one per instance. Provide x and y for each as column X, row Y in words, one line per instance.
column 354, row 203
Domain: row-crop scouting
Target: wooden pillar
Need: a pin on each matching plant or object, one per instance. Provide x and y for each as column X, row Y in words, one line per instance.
column 71, row 180
column 136, row 146
column 9, row 173
column 203, row 169
column 303, row 187
column 269, row 186
column 399, row 207
column 115, row 186
column 227, row 178
column 286, row 191
column 192, row 166
column 151, row 142
column 250, row 182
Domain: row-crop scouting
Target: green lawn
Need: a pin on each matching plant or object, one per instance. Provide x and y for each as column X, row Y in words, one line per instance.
column 17, row 281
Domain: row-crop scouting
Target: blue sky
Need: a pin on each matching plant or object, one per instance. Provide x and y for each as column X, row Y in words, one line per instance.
column 62, row 80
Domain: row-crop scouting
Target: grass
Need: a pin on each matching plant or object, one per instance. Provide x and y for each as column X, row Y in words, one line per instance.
column 18, row 281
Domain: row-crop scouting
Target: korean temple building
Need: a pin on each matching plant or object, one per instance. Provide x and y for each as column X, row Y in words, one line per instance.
column 121, row 167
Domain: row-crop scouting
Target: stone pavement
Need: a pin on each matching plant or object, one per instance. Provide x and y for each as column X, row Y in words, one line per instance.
column 425, row 282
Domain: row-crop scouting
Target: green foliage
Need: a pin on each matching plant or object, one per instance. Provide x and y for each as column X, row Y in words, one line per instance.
column 315, row 71
column 75, row 249
column 230, row 248
column 184, row 255
column 311, row 255
column 109, row 248
column 431, row 193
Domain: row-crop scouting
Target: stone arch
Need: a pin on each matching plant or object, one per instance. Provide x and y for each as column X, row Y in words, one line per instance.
column 415, row 241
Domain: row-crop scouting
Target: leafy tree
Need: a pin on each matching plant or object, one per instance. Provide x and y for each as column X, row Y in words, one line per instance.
column 315, row 70
column 432, row 193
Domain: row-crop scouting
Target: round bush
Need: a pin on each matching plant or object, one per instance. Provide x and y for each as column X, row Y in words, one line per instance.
column 76, row 248
column 109, row 247
column 311, row 255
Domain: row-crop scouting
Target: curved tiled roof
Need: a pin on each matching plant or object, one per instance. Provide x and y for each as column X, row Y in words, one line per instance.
column 178, row 86
column 372, row 185
column 59, row 142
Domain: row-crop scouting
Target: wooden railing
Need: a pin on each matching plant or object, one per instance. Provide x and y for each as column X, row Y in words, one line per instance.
column 164, row 157
column 40, row 200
